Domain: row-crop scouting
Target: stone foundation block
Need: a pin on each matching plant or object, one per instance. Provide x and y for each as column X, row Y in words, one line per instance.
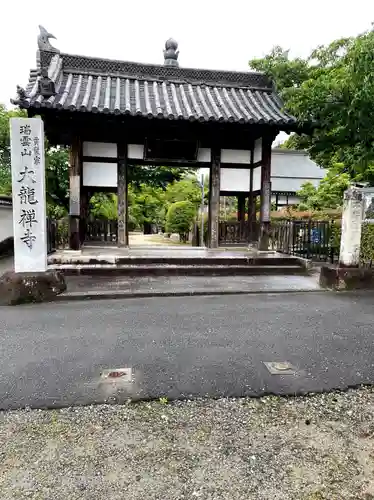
column 23, row 288
column 346, row 278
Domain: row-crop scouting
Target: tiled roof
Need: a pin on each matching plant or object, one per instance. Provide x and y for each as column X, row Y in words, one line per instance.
column 103, row 86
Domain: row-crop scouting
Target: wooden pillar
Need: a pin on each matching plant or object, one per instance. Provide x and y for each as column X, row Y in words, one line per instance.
column 214, row 196
column 241, row 207
column 83, row 214
column 75, row 170
column 122, row 193
column 263, row 243
column 251, row 208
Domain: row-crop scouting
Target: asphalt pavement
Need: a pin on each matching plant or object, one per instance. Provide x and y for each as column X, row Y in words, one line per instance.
column 60, row 354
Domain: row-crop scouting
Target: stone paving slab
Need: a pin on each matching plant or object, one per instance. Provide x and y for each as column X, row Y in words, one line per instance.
column 109, row 252
column 112, row 287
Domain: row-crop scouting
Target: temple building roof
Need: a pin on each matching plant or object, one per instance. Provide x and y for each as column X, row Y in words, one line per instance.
column 92, row 85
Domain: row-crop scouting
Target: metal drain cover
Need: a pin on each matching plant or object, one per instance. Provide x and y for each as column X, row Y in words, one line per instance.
column 280, row 367
column 117, row 375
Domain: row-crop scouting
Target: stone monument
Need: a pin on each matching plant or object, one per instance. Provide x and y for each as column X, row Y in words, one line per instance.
column 30, row 281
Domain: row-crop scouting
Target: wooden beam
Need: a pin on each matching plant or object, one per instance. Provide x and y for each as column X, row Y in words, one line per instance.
column 75, row 170
column 122, row 191
column 214, row 197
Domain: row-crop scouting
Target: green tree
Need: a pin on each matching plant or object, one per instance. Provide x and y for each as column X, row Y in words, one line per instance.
column 157, row 177
column 147, row 206
column 104, row 206
column 331, row 188
column 185, row 189
column 57, row 176
column 334, row 88
column 329, row 193
column 180, row 217
column 5, row 173
column 308, row 196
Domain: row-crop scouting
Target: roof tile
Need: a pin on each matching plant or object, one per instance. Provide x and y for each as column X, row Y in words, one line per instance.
column 101, row 86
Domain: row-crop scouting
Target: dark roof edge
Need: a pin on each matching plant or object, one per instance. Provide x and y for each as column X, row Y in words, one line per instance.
column 76, row 63
column 302, row 152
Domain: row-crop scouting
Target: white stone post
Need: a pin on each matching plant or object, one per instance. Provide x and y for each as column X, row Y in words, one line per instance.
column 28, row 192
column 353, row 211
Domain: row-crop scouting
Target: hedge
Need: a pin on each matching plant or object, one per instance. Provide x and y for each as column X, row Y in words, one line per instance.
column 367, row 244
column 367, row 241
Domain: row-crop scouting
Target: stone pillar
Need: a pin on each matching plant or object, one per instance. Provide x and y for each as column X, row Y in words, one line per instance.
column 214, row 196
column 353, row 211
column 263, row 243
column 122, row 193
column 75, row 193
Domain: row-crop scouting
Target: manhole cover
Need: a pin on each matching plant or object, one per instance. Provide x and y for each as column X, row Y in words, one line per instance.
column 117, row 374
column 280, row 367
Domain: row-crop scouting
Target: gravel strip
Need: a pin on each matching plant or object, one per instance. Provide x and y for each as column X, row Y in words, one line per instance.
column 307, row 448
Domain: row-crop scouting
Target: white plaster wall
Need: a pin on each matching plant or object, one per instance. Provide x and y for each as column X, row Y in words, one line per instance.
column 102, row 149
column 135, row 151
column 257, row 152
column 289, row 171
column 99, row 174
column 235, row 179
column 6, row 222
column 237, row 156
column 204, row 155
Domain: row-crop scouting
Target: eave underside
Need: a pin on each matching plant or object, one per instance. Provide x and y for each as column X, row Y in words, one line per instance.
column 62, row 126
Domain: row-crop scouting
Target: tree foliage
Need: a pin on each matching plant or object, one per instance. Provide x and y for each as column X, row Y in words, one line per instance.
column 329, row 193
column 186, row 189
column 57, row 176
column 5, row 175
column 157, row 177
column 333, row 88
column 104, row 206
column 180, row 217
column 147, row 206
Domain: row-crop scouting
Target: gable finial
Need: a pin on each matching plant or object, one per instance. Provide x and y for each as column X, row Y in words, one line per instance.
column 171, row 53
column 43, row 40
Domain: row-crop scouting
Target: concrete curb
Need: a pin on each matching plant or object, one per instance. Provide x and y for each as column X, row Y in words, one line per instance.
column 121, row 294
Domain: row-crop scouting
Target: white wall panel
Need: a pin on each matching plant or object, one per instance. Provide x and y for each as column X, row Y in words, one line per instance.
column 293, row 200
column 102, row 149
column 257, row 151
column 99, row 174
column 135, row 151
column 204, row 155
column 238, row 156
column 257, row 179
column 235, row 179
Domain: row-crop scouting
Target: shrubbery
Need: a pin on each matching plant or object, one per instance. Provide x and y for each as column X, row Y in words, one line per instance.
column 179, row 218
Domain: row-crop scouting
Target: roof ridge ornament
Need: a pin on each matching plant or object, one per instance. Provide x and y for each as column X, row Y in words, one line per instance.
column 171, row 53
column 46, row 87
column 43, row 40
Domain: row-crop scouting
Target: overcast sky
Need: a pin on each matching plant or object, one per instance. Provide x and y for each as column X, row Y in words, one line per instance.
column 211, row 33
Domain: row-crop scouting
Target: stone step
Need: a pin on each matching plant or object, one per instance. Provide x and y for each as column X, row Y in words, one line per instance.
column 177, row 261
column 177, row 270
